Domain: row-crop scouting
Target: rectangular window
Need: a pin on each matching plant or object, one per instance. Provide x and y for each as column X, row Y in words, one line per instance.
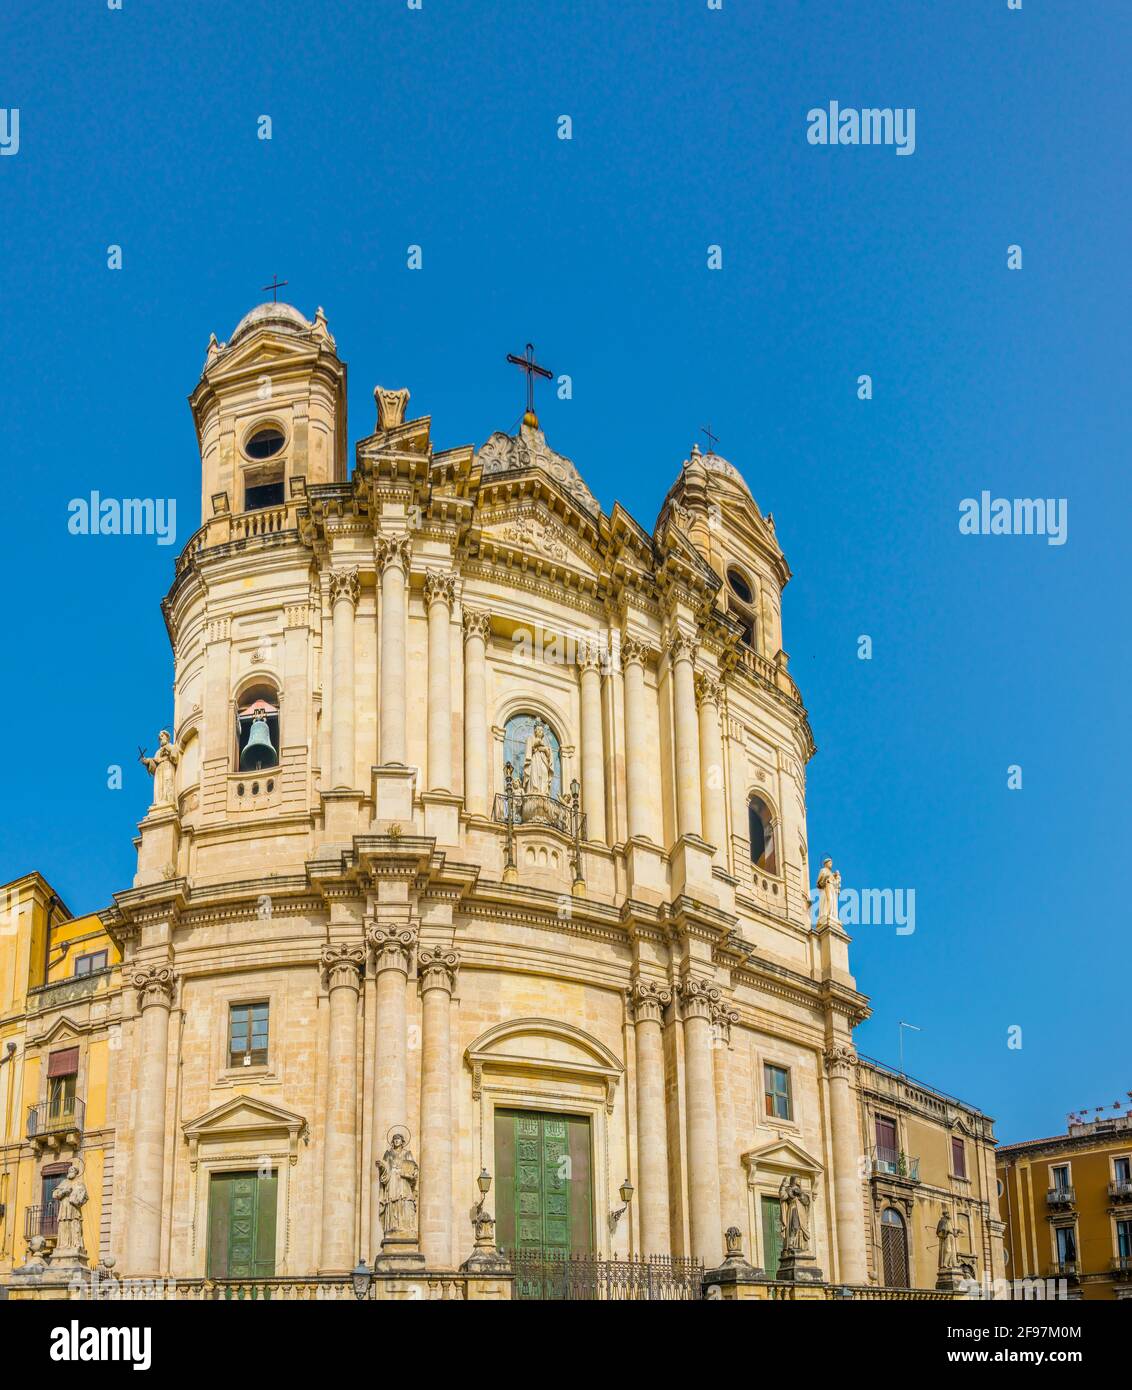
column 1060, row 1177
column 1124, row 1239
column 247, row 1035
column 887, row 1153
column 1066, row 1245
column 958, row 1158
column 1122, row 1169
column 776, row 1092
column 88, row 964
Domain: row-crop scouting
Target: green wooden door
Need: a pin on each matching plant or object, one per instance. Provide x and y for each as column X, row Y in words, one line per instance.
column 545, row 1187
column 241, row 1226
column 772, row 1235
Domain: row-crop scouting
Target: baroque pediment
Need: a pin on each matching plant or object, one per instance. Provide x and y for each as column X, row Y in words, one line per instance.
column 535, row 534
column 246, row 1118
column 523, row 1047
column 508, row 453
column 779, row 1157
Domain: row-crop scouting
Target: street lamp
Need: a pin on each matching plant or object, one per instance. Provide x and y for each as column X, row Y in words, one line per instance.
column 362, row 1277
column 626, row 1194
column 483, row 1182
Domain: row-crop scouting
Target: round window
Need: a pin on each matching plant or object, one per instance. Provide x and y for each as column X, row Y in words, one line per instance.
column 739, row 586
column 265, row 443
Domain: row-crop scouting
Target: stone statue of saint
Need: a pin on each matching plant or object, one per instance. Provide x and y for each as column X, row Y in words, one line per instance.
column 948, row 1254
column 162, row 767
column 72, row 1196
column 829, row 890
column 399, row 1174
column 538, row 762
column 795, row 1216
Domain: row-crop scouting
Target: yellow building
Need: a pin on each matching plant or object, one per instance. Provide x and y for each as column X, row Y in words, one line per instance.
column 927, row 1153
column 1067, row 1205
column 59, row 997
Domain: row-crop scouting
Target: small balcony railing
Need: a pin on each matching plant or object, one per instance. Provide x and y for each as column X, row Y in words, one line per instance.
column 1061, row 1197
column 1122, row 1264
column 530, row 809
column 1120, row 1191
column 42, row 1221
column 65, row 1114
column 894, row 1163
column 1066, row 1269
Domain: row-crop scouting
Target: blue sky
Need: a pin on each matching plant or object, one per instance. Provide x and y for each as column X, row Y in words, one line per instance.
column 438, row 127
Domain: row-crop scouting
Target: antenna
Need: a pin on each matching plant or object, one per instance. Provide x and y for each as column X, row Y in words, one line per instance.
column 914, row 1029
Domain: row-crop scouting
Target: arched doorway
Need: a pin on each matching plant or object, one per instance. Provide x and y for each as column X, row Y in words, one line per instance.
column 894, row 1249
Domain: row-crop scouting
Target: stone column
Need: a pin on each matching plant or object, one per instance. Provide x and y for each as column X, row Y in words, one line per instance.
column 437, row 974
column 647, row 1002
column 709, row 693
column 639, row 773
column 593, row 748
column 392, row 951
column 689, row 819
column 477, row 627
column 342, row 964
column 732, row 1182
column 847, row 1196
column 440, row 591
column 155, row 986
column 393, row 562
column 698, row 1001
column 343, row 601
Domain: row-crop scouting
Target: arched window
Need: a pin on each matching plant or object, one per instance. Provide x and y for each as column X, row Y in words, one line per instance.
column 257, row 728
column 533, row 749
column 894, row 1249
column 761, row 830
column 741, row 605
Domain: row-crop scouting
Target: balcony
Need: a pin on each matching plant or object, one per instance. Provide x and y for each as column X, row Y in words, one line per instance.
column 1064, row 1269
column 1120, row 1191
column 1061, row 1197
column 1122, row 1266
column 55, row 1122
column 42, row 1221
column 893, row 1163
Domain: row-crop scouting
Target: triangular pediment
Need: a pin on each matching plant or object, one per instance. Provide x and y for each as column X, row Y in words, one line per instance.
column 781, row 1156
column 534, row 531
column 261, row 350
column 64, row 1029
column 244, row 1115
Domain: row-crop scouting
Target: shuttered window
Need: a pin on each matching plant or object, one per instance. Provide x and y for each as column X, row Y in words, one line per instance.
column 958, row 1158
column 63, row 1063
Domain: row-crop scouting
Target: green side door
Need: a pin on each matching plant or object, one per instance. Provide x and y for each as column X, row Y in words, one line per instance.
column 241, row 1225
column 772, row 1235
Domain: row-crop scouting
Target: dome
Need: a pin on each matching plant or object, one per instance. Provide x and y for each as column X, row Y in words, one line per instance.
column 278, row 316
column 717, row 464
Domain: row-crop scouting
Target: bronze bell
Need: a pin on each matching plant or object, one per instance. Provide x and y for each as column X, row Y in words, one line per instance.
column 258, row 752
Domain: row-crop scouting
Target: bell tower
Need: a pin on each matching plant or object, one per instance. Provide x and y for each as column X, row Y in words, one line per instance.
column 270, row 408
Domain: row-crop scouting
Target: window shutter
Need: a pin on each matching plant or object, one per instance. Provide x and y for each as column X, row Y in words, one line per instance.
column 63, row 1063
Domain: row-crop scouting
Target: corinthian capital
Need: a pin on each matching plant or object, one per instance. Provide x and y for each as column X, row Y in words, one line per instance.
column 681, row 648
column 155, row 985
column 840, row 1061
column 436, row 969
column 647, row 1001
column 439, row 587
column 476, row 624
column 699, row 998
column 392, row 947
column 344, row 584
column 722, row 1017
column 342, row 965
column 393, row 550
column 709, row 691
column 590, row 656
column 634, row 652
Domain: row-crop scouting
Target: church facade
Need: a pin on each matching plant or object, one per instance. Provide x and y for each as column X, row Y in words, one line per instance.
column 476, row 878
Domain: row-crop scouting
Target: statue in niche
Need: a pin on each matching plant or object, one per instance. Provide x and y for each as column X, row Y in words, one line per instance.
column 162, row 768
column 538, row 762
column 948, row 1254
column 72, row 1196
column 829, row 890
column 399, row 1174
column 795, row 1216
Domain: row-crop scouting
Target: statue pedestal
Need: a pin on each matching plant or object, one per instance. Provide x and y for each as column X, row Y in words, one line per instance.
column 691, row 866
column 949, row 1280
column 648, row 875
column 393, row 797
column 799, row 1267
column 160, row 842
column 442, row 817
column 486, row 1257
column 341, row 816
column 399, row 1254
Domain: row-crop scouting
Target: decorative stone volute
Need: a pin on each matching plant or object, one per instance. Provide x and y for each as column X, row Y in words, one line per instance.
column 392, row 947
column 342, row 965
column 155, row 985
column 698, row 998
column 439, row 587
column 437, row 968
column 647, row 1001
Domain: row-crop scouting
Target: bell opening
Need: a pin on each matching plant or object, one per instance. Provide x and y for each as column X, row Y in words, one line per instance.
column 258, row 731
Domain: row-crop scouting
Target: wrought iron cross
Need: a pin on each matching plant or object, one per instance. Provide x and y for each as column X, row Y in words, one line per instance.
column 275, row 286
column 531, row 367
column 712, row 439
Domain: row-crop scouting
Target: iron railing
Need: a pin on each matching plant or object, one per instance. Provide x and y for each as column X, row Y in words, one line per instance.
column 562, row 1276
column 1120, row 1191
column 42, row 1220
column 52, row 1116
column 530, row 809
column 1061, row 1196
column 894, row 1163
column 1122, row 1264
column 1068, row 1268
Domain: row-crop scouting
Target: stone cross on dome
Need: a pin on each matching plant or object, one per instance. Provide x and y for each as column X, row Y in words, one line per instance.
column 275, row 286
